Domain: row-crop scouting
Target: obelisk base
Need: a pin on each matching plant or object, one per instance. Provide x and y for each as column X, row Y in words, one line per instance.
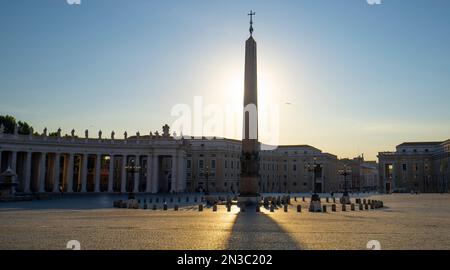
column 248, row 200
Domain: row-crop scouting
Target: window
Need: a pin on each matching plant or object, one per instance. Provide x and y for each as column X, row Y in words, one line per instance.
column 226, row 164
column 232, row 163
column 200, row 164
column 213, row 164
column 294, row 167
column 404, row 167
column 189, row 163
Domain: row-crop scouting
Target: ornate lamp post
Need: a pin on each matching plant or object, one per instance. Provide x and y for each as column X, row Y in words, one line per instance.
column 132, row 168
column 345, row 172
column 315, row 205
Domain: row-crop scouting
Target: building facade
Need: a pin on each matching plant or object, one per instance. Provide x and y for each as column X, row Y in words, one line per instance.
column 156, row 164
column 363, row 175
column 415, row 166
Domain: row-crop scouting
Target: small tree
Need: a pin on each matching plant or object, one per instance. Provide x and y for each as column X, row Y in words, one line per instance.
column 9, row 123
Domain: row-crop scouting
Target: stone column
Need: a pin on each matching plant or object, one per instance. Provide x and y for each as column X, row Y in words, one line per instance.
column 13, row 163
column 173, row 186
column 98, row 165
column 69, row 188
column 14, row 166
column 148, row 186
column 84, row 172
column 181, row 182
column 155, row 178
column 111, row 173
column 136, row 175
column 56, row 172
column 42, row 162
column 123, row 179
column 27, row 175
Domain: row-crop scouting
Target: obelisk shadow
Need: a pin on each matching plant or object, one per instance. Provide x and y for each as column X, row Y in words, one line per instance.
column 257, row 231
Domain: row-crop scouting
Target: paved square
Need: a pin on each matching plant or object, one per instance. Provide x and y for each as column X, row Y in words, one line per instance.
column 407, row 222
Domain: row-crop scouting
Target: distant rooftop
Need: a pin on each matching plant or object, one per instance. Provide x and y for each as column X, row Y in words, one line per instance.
column 418, row 143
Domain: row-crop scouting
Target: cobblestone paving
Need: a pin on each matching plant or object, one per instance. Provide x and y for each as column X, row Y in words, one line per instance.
column 407, row 222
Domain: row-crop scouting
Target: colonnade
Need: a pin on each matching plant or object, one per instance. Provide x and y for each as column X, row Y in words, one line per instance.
column 53, row 171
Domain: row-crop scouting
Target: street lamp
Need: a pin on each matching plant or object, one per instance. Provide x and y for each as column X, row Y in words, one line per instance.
column 132, row 168
column 315, row 205
column 345, row 172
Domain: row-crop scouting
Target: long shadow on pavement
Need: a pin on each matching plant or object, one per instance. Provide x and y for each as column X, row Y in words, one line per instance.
column 257, row 231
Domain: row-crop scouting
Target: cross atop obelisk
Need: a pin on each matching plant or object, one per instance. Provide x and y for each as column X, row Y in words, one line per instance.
column 251, row 14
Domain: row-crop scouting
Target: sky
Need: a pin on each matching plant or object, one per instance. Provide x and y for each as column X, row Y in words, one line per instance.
column 343, row 76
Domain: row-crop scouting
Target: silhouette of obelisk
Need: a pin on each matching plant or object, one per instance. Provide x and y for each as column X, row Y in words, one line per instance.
column 248, row 186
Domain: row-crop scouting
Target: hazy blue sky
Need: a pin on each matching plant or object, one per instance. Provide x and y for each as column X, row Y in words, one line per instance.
column 360, row 78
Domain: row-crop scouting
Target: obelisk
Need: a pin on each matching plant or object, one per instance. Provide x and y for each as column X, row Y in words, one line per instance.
column 248, row 185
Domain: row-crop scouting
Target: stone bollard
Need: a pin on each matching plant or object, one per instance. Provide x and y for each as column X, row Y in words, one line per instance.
column 200, row 207
column 175, row 207
column 333, row 207
column 299, row 208
column 366, row 206
column 361, row 207
column 344, row 207
column 154, row 207
column 165, row 206
column 352, row 207
column 272, row 208
column 295, row 198
column 285, row 208
column 324, row 208
column 228, row 207
column 334, row 200
column 215, row 208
